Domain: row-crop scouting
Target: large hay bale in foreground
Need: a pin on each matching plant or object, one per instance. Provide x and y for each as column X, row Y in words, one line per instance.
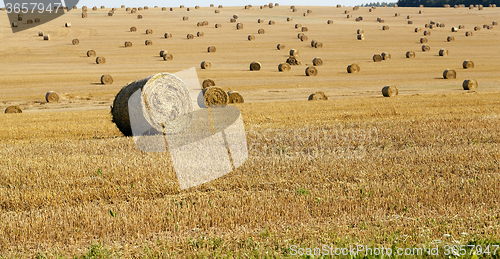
column 51, row 97
column 390, row 91
column 235, row 97
column 469, row 84
column 255, row 66
column 317, row 62
column 207, row 83
column 443, row 52
column 284, row 67
column 13, row 109
column 100, row 60
column 311, row 71
column 449, row 74
column 318, row 96
column 377, row 58
column 353, row 68
column 91, row 53
column 214, row 95
column 107, row 79
column 468, row 64
column 206, row 64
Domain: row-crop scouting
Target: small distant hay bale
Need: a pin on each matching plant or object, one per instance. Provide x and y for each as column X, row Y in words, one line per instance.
column 211, row 49
column 148, row 42
column 449, row 74
column 280, row 46
column 206, row 64
column 232, row 20
column 218, row 25
column 410, row 54
column 443, row 52
column 283, row 67
column 304, row 38
column 260, row 20
column 128, row 9
column 235, row 97
column 317, row 62
column 469, row 84
column 220, row 6
column 468, row 64
column 304, row 29
column 235, row 16
column 385, row 27
column 46, row 37
column 485, row 25
column 311, row 71
column 38, row 19
column 40, row 33
column 410, row 22
column 134, row 10
column 318, row 45
column 190, row 36
column 353, row 68
column 13, row 109
column 239, row 26
column 214, row 95
column 339, row 6
column 418, row 29
column 188, row 9
column 107, row 79
column 494, row 23
column 67, row 25
column 217, row 11
column 329, row 22
column 420, row 12
column 477, row 28
column 298, row 25
column 91, row 53
column 163, row 8
column 346, row 11
column 207, row 83
column 251, row 37
column 271, row 22
column 454, row 29
column 139, row 16
column 426, row 48
column 450, row 39
column 468, row 33
column 361, row 37
column 51, row 97
column 408, row 17
column 390, row 91
column 300, row 35
column 75, row 41
column 100, row 60
column 172, row 9
column 261, row 31
column 255, row 66
column 102, row 7
column 423, row 40
column 377, row 58
column 168, row 57
column 14, row 25
column 294, row 53
column 396, row 14
column 29, row 21
column 111, row 14
column 200, row 34
column 386, row 56
column 181, row 6
column 360, row 31
column 132, row 29
column 305, row 14
column 185, row 18
column 94, row 8
column 211, row 5
column 489, row 27
column 461, row 26
column 163, row 52
column 289, row 19
column 168, row 35
column 313, row 42
column 318, row 96
column 427, row 33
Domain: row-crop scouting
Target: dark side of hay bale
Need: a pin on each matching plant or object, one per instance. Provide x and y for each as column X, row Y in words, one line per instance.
column 468, row 64
column 377, row 58
column 206, row 65
column 211, row 49
column 443, row 52
column 282, row 67
column 107, row 79
column 318, row 96
column 100, row 60
column 13, row 109
column 289, row 19
column 311, row 71
column 317, row 62
column 426, row 48
column 410, row 54
column 218, row 25
column 255, row 66
column 329, row 22
column 75, row 41
column 390, row 91
column 449, row 74
column 280, row 46
column 353, row 68
column 470, row 84
column 235, row 97
column 207, row 83
column 51, row 97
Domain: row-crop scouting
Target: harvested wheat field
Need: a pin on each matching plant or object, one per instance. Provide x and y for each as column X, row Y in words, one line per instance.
column 417, row 168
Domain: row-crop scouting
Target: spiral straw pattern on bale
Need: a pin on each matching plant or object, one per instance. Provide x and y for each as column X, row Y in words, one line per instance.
column 353, row 68
column 261, row 31
column 214, row 95
column 470, row 84
column 318, row 96
column 426, row 48
column 251, row 37
column 449, row 74
column 51, row 97
column 107, row 79
column 390, row 91
column 235, row 97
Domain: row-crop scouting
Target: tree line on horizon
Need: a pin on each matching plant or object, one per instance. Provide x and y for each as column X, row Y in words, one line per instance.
column 441, row 3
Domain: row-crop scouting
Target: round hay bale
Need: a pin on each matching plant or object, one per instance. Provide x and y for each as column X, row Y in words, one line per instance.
column 311, row 71
column 139, row 16
column 410, row 54
column 385, row 27
column 168, row 57
column 164, row 8
column 261, row 31
column 168, row 35
column 390, row 91
column 284, row 67
column 494, row 23
column 40, row 33
column 110, row 13
column 255, row 66
column 381, row 21
column 84, row 8
column 346, row 11
column 107, row 79
column 220, row 6
column 318, row 96
column 289, row 19
column 461, row 26
column 408, row 17
column 304, row 38
column 206, row 65
column 360, row 31
column 454, row 29
column 300, row 34
column 211, row 49
column 318, row 45
column 469, row 33
column 485, row 25
column 188, row 9
column 91, row 53
column 14, row 25
column 449, row 74
column 418, row 29
column 239, row 26
column 386, row 56
column 410, row 22
column 218, row 25
column 427, row 33
column 199, row 24
column 163, row 52
column 51, row 97
column 46, row 37
column 469, row 84
column 443, row 52
column 377, row 58
column 200, row 34
column 317, row 62
column 13, row 109
column 207, row 83
column 172, row 9
column 181, row 6
column 280, row 46
column 423, row 40
column 293, row 10
column 426, row 48
column 294, row 52
column 29, row 21
column 260, row 21
column 361, row 37
column 132, row 29
column 149, row 31
column 313, row 42
column 251, row 37
column 477, row 28
column 397, row 14
column 298, row 25
column 75, row 41
column 450, row 39
column 468, row 64
column 271, row 22
column 329, row 22
column 211, row 5
column 353, row 68
column 37, row 20
column 148, row 42
column 232, row 20
column 235, row 97
column 100, row 60
column 94, row 8
column 205, row 23
column 214, row 95
column 217, row 11
column 190, row 36
column 185, row 18
column 67, row 25
column 304, row 29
